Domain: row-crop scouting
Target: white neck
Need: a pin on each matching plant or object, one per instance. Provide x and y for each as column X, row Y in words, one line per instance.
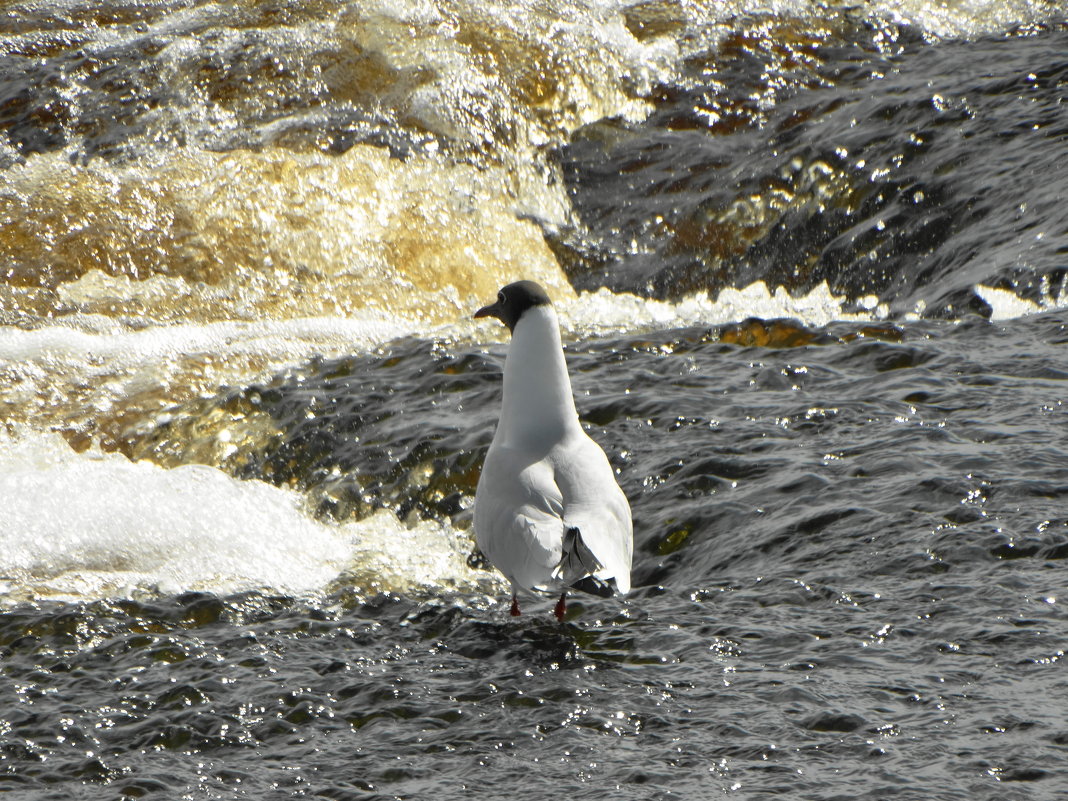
column 538, row 405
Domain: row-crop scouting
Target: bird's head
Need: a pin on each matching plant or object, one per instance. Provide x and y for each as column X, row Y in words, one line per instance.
column 513, row 300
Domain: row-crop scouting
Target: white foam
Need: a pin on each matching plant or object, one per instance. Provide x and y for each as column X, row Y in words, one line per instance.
column 85, row 338
column 964, row 18
column 1007, row 305
column 603, row 312
column 89, row 339
column 93, row 525
column 69, row 374
column 65, row 374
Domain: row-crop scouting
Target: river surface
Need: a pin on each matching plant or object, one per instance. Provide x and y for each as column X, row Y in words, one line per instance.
column 811, row 264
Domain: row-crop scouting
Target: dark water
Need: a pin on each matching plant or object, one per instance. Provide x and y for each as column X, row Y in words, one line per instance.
column 879, row 164
column 850, row 538
column 850, row 570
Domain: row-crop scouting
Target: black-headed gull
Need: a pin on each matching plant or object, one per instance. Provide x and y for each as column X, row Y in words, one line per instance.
column 548, row 511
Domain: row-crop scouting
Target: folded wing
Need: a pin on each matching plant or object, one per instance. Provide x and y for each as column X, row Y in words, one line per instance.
column 594, row 504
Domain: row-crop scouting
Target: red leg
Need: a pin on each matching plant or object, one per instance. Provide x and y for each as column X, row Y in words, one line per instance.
column 561, row 606
column 515, row 606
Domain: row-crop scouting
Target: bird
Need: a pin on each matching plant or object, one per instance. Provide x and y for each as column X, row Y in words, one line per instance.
column 549, row 513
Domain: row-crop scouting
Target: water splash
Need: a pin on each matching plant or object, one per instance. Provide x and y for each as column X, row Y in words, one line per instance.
column 93, row 525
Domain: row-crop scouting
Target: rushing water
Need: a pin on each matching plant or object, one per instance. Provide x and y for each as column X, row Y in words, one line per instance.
column 812, row 265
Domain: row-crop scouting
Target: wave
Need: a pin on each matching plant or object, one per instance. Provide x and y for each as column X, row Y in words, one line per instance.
column 204, row 237
column 92, row 525
column 887, row 169
column 172, row 163
column 97, row 378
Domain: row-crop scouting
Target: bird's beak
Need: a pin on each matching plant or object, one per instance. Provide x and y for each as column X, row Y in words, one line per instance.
column 493, row 310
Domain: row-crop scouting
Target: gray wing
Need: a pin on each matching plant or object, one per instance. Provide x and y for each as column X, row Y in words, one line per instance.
column 595, row 505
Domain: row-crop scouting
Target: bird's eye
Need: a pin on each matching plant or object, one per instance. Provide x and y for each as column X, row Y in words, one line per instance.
column 500, row 297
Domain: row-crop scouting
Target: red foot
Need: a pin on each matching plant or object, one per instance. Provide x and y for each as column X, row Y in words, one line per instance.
column 561, row 607
column 515, row 607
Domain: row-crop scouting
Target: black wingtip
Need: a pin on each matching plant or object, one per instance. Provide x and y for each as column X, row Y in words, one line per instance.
column 594, row 586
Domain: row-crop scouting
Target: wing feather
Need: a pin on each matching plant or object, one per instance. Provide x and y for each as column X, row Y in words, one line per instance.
column 595, row 505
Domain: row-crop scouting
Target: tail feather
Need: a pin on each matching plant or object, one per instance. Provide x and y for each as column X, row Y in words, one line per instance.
column 578, row 566
column 577, row 560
